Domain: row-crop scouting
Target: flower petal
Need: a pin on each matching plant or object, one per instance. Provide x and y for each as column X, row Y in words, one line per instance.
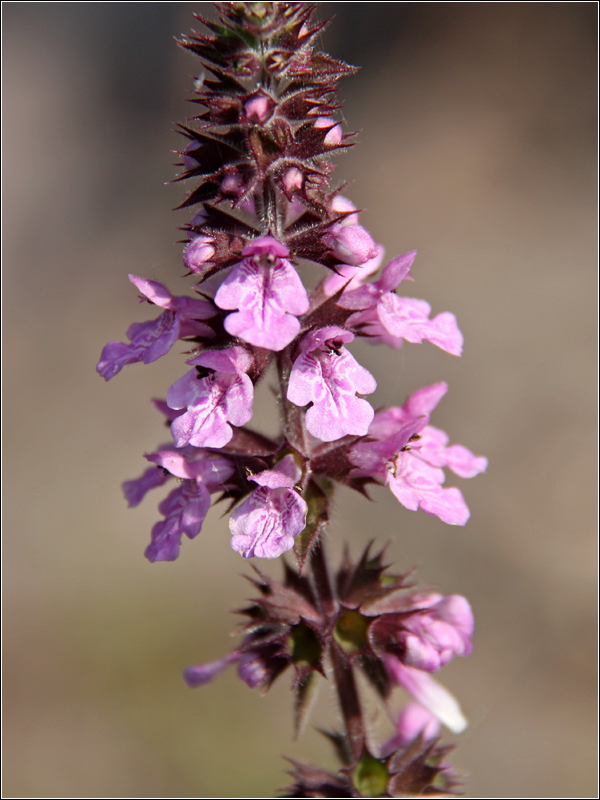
column 429, row 693
column 267, row 522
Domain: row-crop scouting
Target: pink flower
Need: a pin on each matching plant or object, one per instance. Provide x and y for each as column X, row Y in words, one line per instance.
column 414, row 720
column 407, row 454
column 266, row 524
column 385, row 316
column 351, row 244
column 340, row 205
column 198, row 253
column 352, row 276
column 428, row 692
column 268, row 292
column 151, row 340
column 216, row 392
column 440, row 629
column 326, row 375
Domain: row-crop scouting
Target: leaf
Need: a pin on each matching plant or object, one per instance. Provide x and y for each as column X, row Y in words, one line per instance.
column 304, row 696
column 340, row 744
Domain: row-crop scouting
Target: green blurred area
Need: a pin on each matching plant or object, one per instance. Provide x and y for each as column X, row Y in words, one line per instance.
column 478, row 148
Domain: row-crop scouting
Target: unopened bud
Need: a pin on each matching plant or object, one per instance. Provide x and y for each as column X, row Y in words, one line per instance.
column 339, row 205
column 334, row 135
column 232, row 184
column 352, row 244
column 198, row 252
column 189, row 162
column 292, row 179
column 258, row 109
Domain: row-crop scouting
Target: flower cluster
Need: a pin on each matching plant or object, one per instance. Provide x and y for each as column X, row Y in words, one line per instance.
column 261, row 163
column 258, row 156
column 375, row 621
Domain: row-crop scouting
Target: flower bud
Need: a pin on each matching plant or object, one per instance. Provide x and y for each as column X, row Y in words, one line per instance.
column 433, row 637
column 232, row 184
column 198, row 219
column 334, row 135
column 258, row 109
column 291, row 179
column 340, row 204
column 198, row 252
column 352, row 244
column 189, row 162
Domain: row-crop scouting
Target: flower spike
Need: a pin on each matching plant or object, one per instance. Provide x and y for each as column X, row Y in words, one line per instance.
column 257, row 158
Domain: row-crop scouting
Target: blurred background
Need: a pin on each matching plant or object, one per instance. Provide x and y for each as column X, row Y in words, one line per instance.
column 477, row 148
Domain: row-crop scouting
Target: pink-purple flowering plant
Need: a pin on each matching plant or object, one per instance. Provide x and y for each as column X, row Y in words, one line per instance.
column 259, row 158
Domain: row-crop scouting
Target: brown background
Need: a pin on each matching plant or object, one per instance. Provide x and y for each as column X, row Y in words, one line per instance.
column 478, row 149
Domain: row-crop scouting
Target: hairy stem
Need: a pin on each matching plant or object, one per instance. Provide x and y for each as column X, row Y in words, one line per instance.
column 343, row 674
column 349, row 701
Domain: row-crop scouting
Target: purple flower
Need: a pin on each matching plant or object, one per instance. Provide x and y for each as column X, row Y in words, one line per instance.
column 252, row 669
column 151, row 340
column 428, row 692
column 184, row 511
column 216, row 392
column 135, row 490
column 414, row 720
column 266, row 524
column 440, row 629
column 204, row 673
column 326, row 375
column 186, row 506
column 407, row 454
column 352, row 244
column 384, row 316
column 267, row 291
